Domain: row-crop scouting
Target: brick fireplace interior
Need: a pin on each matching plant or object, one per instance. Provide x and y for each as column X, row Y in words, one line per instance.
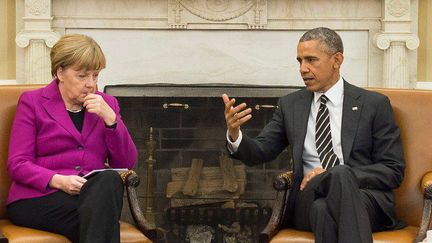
column 197, row 193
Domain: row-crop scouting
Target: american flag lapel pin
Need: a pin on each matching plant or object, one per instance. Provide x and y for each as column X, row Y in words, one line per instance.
column 354, row 108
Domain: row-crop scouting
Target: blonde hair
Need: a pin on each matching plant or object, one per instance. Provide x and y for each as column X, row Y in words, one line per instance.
column 78, row 51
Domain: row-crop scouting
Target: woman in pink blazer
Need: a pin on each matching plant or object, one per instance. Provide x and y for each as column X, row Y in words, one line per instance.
column 60, row 133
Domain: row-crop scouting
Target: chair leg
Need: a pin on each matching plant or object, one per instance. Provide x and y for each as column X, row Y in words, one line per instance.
column 277, row 214
column 426, row 217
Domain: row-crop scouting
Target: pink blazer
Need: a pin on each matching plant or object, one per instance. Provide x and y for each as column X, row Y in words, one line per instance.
column 44, row 142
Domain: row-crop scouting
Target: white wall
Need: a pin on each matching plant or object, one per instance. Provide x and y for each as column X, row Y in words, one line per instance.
column 204, row 56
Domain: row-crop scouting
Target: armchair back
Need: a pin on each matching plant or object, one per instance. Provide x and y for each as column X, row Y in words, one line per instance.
column 413, row 113
column 9, row 95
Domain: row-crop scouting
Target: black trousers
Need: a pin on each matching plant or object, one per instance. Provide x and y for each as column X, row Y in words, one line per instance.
column 92, row 216
column 336, row 210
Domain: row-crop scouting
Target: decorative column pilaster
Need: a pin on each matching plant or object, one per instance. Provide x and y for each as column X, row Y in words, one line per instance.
column 396, row 40
column 396, row 66
column 37, row 38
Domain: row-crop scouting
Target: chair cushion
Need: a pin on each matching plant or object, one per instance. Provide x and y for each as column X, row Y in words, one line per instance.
column 404, row 235
column 130, row 234
column 407, row 234
column 17, row 234
column 292, row 235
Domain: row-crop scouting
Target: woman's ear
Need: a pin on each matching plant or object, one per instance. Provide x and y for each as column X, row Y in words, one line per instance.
column 59, row 74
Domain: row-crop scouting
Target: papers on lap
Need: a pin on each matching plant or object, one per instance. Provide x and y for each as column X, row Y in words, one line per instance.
column 94, row 172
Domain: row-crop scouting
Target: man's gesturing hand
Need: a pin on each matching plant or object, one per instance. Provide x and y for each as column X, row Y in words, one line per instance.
column 235, row 116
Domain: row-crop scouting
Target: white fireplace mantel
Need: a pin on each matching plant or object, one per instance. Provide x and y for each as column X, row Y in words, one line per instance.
column 230, row 41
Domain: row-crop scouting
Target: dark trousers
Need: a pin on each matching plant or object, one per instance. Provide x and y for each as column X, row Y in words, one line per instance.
column 336, row 210
column 92, row 216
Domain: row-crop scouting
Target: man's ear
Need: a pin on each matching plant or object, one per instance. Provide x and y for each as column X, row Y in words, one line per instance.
column 339, row 58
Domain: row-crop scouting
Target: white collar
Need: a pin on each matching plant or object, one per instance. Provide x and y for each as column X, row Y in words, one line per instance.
column 334, row 94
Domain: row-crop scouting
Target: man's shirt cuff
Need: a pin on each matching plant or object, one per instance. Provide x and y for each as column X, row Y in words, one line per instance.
column 233, row 146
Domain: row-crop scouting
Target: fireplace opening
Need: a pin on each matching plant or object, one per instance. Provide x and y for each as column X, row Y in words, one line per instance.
column 190, row 187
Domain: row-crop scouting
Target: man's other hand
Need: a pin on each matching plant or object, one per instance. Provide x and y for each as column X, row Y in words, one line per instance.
column 308, row 177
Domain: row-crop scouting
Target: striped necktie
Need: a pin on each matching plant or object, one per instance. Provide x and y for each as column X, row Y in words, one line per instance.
column 323, row 137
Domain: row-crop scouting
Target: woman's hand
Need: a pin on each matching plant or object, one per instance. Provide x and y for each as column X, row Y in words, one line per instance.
column 70, row 184
column 94, row 103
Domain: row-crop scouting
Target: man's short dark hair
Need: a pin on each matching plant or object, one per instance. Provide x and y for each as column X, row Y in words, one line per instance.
column 329, row 39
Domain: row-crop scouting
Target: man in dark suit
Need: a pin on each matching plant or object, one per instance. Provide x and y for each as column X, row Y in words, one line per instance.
column 347, row 154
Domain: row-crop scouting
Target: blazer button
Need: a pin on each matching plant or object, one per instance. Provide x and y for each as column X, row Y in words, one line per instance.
column 78, row 168
column 80, row 147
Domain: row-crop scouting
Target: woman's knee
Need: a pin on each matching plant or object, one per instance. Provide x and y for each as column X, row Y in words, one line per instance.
column 110, row 176
column 106, row 181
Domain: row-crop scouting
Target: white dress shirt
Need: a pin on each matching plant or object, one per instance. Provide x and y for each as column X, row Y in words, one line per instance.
column 310, row 155
column 334, row 105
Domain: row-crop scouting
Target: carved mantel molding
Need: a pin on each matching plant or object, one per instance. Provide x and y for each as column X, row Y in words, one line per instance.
column 398, row 8
column 250, row 13
column 37, row 7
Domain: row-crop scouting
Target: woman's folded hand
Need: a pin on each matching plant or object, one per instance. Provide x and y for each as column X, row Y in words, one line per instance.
column 70, row 184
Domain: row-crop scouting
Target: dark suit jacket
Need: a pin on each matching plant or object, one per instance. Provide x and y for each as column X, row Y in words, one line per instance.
column 370, row 138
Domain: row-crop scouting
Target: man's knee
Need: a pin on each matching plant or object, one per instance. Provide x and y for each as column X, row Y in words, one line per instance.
column 319, row 206
column 337, row 179
column 341, row 172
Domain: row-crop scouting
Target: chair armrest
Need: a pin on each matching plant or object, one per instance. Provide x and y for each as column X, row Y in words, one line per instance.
column 426, row 185
column 282, row 184
column 426, row 189
column 131, row 182
column 284, row 181
column 3, row 239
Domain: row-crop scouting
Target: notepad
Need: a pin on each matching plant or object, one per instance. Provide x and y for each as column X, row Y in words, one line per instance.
column 94, row 172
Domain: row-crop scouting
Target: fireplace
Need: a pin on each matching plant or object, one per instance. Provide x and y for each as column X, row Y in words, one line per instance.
column 189, row 186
